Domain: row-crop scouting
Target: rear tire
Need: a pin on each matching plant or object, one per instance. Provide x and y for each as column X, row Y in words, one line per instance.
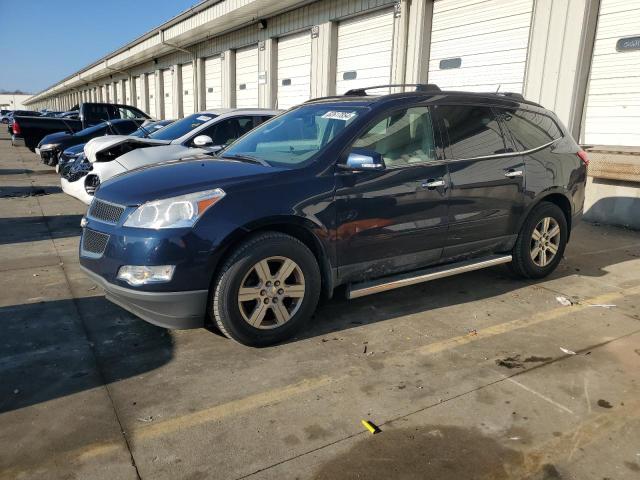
column 267, row 290
column 541, row 242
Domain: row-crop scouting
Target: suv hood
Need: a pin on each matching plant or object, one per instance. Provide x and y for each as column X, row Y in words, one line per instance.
column 102, row 144
column 155, row 154
column 175, row 178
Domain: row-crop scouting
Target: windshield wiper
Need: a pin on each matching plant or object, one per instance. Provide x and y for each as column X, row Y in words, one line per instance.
column 247, row 158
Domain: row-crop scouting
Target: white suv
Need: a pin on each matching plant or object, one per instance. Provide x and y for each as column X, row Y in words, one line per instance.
column 203, row 132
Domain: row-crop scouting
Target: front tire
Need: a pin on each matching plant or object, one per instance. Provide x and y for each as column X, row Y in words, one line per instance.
column 541, row 242
column 267, row 290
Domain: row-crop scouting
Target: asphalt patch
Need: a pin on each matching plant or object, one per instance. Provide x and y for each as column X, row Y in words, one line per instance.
column 604, row 404
column 516, row 362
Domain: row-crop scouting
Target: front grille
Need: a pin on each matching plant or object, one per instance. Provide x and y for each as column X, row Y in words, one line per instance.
column 106, row 212
column 94, row 242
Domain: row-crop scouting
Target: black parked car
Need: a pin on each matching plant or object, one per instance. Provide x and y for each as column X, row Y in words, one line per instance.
column 30, row 131
column 51, row 146
column 370, row 192
column 10, row 116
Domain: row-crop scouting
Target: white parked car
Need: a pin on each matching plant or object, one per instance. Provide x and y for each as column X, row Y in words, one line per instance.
column 203, row 132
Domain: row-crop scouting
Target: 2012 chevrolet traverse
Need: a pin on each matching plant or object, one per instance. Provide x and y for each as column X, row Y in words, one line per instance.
column 371, row 192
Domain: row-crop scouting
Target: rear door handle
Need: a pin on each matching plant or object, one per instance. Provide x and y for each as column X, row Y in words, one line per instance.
column 513, row 173
column 433, row 183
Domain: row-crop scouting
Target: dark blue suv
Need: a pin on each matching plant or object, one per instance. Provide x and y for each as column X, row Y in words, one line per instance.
column 372, row 192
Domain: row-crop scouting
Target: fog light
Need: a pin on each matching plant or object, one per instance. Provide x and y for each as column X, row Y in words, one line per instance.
column 141, row 275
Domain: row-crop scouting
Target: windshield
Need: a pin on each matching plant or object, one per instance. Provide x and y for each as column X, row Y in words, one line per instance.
column 149, row 128
column 295, row 136
column 92, row 130
column 182, row 127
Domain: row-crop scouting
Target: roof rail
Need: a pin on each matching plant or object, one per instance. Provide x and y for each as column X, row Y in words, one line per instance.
column 517, row 96
column 420, row 87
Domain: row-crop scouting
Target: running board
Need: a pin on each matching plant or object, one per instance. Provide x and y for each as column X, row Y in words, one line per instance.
column 406, row 279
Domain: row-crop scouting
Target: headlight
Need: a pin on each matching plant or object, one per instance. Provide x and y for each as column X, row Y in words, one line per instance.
column 49, row 146
column 140, row 275
column 176, row 212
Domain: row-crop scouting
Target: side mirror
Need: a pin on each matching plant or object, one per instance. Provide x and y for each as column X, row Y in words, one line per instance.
column 362, row 159
column 202, row 141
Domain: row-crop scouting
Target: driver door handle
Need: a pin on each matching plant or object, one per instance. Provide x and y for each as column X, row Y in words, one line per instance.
column 433, row 183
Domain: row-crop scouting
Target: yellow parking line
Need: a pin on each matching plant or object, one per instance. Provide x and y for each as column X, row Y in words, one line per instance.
column 231, row 408
column 534, row 319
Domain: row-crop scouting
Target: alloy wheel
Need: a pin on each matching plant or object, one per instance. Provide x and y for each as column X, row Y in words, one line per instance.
column 545, row 241
column 271, row 292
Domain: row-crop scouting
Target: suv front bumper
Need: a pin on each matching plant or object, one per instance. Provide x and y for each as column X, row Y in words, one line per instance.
column 175, row 310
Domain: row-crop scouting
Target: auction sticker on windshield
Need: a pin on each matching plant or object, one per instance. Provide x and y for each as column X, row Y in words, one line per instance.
column 203, row 118
column 336, row 115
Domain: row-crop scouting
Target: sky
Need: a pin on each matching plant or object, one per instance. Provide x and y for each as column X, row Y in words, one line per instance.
column 43, row 41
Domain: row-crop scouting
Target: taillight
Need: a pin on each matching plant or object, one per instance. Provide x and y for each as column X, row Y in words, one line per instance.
column 583, row 156
column 16, row 128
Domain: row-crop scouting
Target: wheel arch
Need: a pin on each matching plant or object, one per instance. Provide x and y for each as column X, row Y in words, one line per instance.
column 299, row 228
column 557, row 197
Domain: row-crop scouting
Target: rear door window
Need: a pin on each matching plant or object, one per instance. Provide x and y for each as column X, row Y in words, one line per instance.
column 130, row 112
column 530, row 129
column 473, row 131
column 226, row 131
column 100, row 112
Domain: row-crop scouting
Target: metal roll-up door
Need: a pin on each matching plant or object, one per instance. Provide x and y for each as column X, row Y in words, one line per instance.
column 365, row 45
column 108, row 93
column 138, row 99
column 612, row 115
column 247, row 77
column 103, row 89
column 213, row 82
column 118, row 97
column 294, row 69
column 167, row 94
column 127, row 92
column 151, row 94
column 187, row 89
column 480, row 47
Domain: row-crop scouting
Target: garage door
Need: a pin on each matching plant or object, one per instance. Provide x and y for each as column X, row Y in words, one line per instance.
column 213, row 82
column 151, row 92
column 187, row 89
column 109, row 93
column 127, row 92
column 103, row 92
column 138, row 83
column 118, row 95
column 612, row 114
column 167, row 94
column 247, row 77
column 294, row 69
column 365, row 46
column 478, row 46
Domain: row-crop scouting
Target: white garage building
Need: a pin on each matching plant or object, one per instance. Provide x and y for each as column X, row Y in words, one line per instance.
column 580, row 58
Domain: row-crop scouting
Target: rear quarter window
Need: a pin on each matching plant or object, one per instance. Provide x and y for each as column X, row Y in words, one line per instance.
column 473, row 131
column 530, row 129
